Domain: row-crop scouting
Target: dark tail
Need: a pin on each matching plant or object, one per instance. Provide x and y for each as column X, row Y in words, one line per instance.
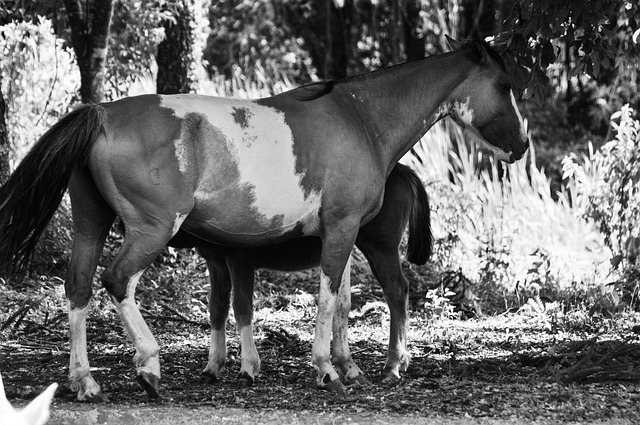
column 420, row 243
column 33, row 192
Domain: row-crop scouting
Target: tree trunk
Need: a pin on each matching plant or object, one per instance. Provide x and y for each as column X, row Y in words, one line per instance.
column 89, row 22
column 410, row 20
column 5, row 169
column 338, row 38
column 175, row 52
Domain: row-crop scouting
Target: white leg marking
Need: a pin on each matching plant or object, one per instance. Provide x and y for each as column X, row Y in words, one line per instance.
column 79, row 374
column 320, row 352
column 341, row 317
column 341, row 353
column 249, row 352
column 217, row 352
column 146, row 358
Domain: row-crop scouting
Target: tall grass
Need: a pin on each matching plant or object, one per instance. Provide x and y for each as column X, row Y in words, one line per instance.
column 506, row 225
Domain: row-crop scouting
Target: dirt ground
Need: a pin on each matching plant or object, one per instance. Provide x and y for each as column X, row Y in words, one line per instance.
column 538, row 365
column 508, row 369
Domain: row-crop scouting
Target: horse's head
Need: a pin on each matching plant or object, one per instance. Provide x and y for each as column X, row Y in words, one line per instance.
column 484, row 103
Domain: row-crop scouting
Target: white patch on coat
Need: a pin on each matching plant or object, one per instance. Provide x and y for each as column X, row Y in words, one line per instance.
column 262, row 146
column 177, row 223
column 465, row 116
column 464, row 112
column 523, row 127
column 182, row 154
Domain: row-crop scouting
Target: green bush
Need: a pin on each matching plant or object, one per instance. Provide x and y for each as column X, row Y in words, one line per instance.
column 605, row 187
column 502, row 226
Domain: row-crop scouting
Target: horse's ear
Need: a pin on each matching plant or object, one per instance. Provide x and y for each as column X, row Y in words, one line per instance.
column 479, row 51
column 454, row 44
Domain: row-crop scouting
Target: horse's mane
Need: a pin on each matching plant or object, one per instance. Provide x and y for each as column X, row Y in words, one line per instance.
column 494, row 53
column 315, row 90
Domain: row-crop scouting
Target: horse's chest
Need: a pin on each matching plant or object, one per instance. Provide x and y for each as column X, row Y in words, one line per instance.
column 245, row 167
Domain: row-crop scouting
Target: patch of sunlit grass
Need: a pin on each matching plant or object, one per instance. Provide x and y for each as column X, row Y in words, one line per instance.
column 507, row 226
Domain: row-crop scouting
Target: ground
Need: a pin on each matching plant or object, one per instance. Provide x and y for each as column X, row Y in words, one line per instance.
column 533, row 366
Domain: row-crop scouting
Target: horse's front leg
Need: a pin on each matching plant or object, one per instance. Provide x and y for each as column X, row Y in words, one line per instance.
column 337, row 243
column 349, row 372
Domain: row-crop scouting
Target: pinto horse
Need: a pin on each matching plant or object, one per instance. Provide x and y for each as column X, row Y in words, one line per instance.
column 312, row 161
column 405, row 201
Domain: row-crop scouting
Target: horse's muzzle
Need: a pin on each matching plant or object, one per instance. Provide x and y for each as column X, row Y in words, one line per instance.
column 517, row 154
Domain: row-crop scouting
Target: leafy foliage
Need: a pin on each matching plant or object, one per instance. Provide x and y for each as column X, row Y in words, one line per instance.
column 254, row 36
column 597, row 33
column 133, row 47
column 606, row 187
column 605, row 190
column 39, row 83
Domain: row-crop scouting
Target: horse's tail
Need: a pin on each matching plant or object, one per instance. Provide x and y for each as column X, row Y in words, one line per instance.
column 33, row 192
column 420, row 243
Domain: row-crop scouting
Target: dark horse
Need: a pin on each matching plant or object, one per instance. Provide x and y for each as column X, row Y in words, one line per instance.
column 405, row 201
column 309, row 162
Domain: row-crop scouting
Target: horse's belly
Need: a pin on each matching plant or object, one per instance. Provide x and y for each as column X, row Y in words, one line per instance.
column 227, row 218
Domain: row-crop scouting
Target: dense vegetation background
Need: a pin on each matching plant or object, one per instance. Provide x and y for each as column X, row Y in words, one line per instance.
column 554, row 236
column 547, row 227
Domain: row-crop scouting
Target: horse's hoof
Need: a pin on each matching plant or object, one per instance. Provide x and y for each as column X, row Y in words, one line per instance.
column 209, row 378
column 245, row 380
column 335, row 386
column 149, row 383
column 94, row 398
column 390, row 379
column 356, row 381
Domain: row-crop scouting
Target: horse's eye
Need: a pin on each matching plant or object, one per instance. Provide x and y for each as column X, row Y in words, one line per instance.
column 506, row 87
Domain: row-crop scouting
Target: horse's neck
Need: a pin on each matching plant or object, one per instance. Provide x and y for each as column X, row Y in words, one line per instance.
column 399, row 104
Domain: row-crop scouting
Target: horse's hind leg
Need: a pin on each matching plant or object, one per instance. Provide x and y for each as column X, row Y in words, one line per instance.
column 242, row 267
column 235, row 268
column 385, row 263
column 349, row 372
column 142, row 243
column 219, row 302
column 92, row 219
